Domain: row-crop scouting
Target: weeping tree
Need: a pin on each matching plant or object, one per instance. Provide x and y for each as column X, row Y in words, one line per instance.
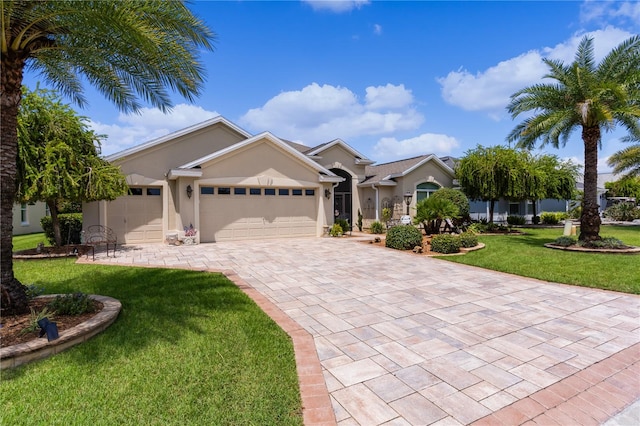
column 491, row 173
column 58, row 157
column 583, row 96
column 127, row 49
column 550, row 177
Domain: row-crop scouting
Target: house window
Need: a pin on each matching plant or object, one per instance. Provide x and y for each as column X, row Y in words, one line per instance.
column 283, row 191
column 240, row 191
column 24, row 217
column 424, row 190
column 514, row 208
column 153, row 191
column 135, row 191
column 206, row 190
column 269, row 191
column 255, row 191
column 296, row 192
column 224, row 191
column 310, row 192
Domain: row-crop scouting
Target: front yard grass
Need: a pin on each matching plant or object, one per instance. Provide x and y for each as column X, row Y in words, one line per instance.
column 526, row 255
column 189, row 348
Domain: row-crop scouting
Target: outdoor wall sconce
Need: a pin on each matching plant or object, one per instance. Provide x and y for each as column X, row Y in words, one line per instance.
column 327, row 193
column 189, row 191
column 407, row 199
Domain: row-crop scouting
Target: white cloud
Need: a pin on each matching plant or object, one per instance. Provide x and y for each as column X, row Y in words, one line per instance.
column 318, row 114
column 150, row 123
column 336, row 6
column 389, row 149
column 490, row 90
column 601, row 11
column 388, row 97
column 377, row 29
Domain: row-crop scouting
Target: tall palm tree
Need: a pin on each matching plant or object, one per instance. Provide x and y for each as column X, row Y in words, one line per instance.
column 586, row 96
column 626, row 161
column 127, row 49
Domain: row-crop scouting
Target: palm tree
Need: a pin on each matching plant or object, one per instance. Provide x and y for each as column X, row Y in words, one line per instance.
column 127, row 49
column 626, row 161
column 584, row 96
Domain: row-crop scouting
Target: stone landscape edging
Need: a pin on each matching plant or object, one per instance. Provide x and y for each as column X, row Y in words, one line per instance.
column 15, row 355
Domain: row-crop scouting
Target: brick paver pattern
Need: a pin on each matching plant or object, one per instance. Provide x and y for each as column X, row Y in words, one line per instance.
column 406, row 339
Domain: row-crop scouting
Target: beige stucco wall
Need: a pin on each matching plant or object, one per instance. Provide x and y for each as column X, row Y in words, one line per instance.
column 35, row 212
column 156, row 161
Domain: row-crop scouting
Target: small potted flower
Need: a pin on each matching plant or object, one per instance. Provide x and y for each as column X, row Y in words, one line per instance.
column 189, row 235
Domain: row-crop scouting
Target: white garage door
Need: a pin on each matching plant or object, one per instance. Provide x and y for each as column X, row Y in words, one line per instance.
column 228, row 213
column 137, row 217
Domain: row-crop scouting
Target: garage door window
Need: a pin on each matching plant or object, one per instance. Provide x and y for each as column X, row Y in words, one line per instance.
column 269, row 191
column 296, row 191
column 224, row 191
column 310, row 192
column 135, row 191
column 255, row 191
column 206, row 190
column 283, row 191
column 240, row 191
column 153, row 191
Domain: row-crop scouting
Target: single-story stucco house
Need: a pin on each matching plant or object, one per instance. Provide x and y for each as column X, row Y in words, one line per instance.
column 232, row 185
column 26, row 217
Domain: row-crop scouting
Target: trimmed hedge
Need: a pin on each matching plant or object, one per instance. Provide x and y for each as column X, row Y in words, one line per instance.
column 468, row 239
column 515, row 220
column 445, row 243
column 70, row 228
column 403, row 237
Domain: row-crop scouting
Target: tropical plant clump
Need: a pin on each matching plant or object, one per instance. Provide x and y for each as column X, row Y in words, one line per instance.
column 515, row 219
column 336, row 230
column 565, row 241
column 34, row 317
column 344, row 224
column 552, row 218
column 432, row 211
column 458, row 198
column 403, row 237
column 624, row 212
column 376, row 228
column 605, row 243
column 72, row 304
column 359, row 222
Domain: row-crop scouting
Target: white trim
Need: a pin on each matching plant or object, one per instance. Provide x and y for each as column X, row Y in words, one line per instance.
column 177, row 134
column 176, row 173
column 361, row 160
column 257, row 138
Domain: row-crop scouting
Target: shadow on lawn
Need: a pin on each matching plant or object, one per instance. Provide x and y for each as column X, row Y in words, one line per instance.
column 157, row 305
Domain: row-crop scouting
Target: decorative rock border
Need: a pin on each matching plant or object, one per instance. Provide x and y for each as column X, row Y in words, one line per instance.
column 13, row 356
column 630, row 250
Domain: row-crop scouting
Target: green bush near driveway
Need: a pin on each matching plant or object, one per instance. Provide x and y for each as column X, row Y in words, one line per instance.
column 403, row 237
column 526, row 255
column 188, row 348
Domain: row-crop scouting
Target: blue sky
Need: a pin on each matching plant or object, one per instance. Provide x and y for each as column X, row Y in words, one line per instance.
column 392, row 79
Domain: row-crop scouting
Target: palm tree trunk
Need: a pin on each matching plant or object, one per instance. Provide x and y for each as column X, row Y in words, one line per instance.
column 13, row 294
column 590, row 218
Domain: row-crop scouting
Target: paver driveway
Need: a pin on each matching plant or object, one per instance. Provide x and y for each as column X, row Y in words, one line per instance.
column 406, row 339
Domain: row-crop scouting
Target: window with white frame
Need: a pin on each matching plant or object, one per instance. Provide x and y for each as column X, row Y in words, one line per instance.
column 424, row 190
column 24, row 216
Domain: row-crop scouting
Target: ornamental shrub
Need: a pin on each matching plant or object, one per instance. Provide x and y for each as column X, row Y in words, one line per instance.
column 565, row 241
column 458, row 198
column 552, row 218
column 535, row 220
column 336, row 230
column 376, row 228
column 468, row 239
column 515, row 220
column 70, row 228
column 622, row 212
column 445, row 243
column 344, row 224
column 72, row 304
column 403, row 237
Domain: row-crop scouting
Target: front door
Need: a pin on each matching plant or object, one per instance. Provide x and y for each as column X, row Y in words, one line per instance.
column 342, row 197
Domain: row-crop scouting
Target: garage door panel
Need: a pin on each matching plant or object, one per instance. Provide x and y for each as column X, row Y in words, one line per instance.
column 244, row 217
column 136, row 218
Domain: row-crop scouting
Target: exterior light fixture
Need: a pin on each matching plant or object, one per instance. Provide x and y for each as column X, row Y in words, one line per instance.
column 327, row 193
column 189, row 191
column 407, row 199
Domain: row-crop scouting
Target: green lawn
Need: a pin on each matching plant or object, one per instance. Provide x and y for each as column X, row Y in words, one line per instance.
column 189, row 348
column 525, row 255
column 29, row 241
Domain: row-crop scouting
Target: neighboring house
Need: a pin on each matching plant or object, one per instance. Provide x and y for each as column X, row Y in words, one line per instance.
column 26, row 217
column 504, row 208
column 231, row 185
